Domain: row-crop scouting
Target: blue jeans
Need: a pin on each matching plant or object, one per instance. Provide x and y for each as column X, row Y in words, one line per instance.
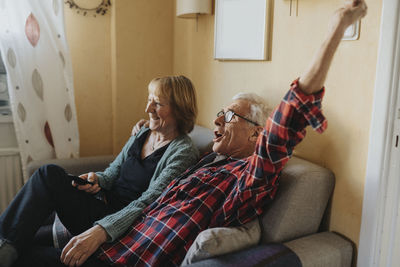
column 49, row 189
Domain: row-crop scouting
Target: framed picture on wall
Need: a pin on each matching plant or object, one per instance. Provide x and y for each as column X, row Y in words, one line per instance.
column 242, row 29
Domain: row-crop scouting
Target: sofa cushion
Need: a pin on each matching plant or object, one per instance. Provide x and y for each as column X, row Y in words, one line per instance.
column 300, row 202
column 221, row 240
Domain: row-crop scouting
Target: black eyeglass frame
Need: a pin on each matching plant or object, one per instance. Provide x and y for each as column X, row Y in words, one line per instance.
column 229, row 115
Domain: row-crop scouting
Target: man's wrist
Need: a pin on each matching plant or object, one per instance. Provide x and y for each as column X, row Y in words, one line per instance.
column 102, row 233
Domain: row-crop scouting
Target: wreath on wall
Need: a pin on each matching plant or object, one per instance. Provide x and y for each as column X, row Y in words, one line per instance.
column 96, row 7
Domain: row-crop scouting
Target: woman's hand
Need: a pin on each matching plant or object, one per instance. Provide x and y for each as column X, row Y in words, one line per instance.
column 82, row 246
column 88, row 188
column 139, row 125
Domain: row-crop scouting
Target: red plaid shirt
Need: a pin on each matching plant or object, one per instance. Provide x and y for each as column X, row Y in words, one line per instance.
column 230, row 193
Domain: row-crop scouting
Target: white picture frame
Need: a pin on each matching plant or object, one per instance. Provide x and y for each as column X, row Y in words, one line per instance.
column 242, row 29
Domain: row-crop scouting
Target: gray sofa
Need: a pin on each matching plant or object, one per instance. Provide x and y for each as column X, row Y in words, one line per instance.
column 293, row 219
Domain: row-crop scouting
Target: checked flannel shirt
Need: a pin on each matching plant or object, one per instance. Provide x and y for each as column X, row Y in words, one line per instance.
column 226, row 193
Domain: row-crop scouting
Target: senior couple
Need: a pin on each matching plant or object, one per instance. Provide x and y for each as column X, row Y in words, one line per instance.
column 148, row 214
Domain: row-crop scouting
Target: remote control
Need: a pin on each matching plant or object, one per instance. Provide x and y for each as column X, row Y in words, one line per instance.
column 79, row 180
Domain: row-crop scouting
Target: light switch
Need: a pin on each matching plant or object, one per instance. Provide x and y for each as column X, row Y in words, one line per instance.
column 352, row 32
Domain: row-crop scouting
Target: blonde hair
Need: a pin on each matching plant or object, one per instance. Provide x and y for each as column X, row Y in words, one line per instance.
column 181, row 95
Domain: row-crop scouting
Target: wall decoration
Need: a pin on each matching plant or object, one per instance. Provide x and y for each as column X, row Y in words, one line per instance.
column 242, row 29
column 94, row 7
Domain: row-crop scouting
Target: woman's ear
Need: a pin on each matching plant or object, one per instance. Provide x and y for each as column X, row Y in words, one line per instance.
column 256, row 132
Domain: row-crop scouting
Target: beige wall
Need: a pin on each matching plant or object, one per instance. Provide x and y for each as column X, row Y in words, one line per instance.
column 347, row 105
column 142, row 49
column 89, row 42
column 114, row 57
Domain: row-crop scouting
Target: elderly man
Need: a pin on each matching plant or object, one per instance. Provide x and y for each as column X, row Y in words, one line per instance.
column 231, row 186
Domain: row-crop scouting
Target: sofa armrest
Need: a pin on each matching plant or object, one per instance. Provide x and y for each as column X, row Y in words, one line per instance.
column 74, row 166
column 323, row 249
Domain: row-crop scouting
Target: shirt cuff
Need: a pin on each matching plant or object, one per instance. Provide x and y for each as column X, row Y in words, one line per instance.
column 308, row 105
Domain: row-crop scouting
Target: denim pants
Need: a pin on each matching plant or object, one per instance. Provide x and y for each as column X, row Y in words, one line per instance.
column 49, row 189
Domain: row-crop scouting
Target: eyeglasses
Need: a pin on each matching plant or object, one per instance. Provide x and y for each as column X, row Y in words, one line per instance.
column 229, row 115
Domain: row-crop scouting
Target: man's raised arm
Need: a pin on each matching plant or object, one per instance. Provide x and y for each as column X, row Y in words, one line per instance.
column 314, row 78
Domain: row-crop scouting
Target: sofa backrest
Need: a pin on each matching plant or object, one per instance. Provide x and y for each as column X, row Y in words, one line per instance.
column 76, row 166
column 202, row 138
column 300, row 202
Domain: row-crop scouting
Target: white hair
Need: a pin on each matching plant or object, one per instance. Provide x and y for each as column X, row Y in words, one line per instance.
column 259, row 110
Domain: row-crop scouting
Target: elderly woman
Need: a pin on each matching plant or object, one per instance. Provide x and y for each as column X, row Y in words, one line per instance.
column 133, row 180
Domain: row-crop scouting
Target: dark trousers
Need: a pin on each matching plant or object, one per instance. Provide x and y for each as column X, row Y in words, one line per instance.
column 50, row 257
column 49, row 189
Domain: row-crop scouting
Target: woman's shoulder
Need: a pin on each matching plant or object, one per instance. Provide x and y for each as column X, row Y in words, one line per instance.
column 183, row 139
column 183, row 142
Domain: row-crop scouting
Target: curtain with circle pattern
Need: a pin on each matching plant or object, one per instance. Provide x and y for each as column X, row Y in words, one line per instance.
column 39, row 73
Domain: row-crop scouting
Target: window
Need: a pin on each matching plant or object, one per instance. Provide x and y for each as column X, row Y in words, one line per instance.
column 4, row 98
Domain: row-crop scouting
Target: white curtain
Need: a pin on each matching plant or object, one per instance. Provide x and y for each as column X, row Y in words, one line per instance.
column 35, row 52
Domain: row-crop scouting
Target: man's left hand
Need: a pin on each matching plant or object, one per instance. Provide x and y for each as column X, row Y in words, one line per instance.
column 82, row 246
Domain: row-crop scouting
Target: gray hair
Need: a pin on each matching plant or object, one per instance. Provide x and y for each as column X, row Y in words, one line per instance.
column 259, row 110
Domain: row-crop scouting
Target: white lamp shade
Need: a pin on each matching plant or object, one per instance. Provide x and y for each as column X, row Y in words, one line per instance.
column 190, row 8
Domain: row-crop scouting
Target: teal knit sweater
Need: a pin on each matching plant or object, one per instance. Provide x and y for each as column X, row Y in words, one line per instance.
column 180, row 154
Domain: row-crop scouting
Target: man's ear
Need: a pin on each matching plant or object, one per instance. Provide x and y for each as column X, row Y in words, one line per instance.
column 255, row 133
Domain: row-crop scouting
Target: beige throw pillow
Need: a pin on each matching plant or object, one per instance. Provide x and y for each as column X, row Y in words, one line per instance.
column 221, row 240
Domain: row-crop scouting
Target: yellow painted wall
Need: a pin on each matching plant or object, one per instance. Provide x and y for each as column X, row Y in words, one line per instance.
column 142, row 34
column 114, row 57
column 89, row 42
column 347, row 104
